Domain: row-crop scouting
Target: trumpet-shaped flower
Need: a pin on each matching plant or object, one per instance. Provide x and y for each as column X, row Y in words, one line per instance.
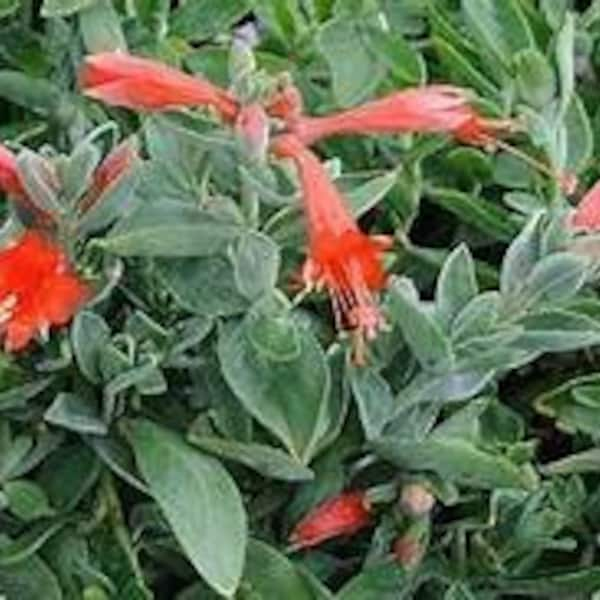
column 120, row 79
column 427, row 109
column 340, row 257
column 38, row 289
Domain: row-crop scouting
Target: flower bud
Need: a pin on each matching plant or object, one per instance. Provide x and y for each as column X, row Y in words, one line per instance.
column 416, row 500
column 341, row 515
column 252, row 127
column 409, row 551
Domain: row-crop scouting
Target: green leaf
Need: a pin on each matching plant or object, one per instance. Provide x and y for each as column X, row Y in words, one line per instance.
column 374, row 399
column 9, row 7
column 405, row 63
column 62, row 8
column 269, row 574
column 35, row 94
column 356, row 71
column 198, row 20
column 500, row 26
column 456, row 459
column 199, row 500
column 169, row 229
column 18, row 395
column 555, row 278
column 27, row 500
column 287, row 397
column 119, row 458
column 256, row 262
column 68, row 474
column 101, row 27
column 76, row 413
column 483, row 216
column 587, row 461
column 546, row 585
column 204, row 285
column 456, row 285
column 382, row 582
column 28, row 543
column 89, row 335
column 579, row 136
column 565, row 59
column 29, row 579
column 40, row 181
column 535, row 78
column 421, row 332
column 463, row 70
column 266, row 460
column 368, row 195
column 521, row 257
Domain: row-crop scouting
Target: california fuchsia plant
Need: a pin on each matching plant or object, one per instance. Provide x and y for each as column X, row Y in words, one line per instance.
column 298, row 300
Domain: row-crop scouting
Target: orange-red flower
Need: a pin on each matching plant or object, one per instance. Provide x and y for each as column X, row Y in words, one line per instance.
column 10, row 180
column 342, row 515
column 11, row 184
column 120, row 79
column 340, row 257
column 427, row 109
column 586, row 217
column 115, row 164
column 38, row 289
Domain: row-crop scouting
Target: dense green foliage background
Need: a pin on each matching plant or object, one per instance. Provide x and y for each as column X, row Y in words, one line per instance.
column 164, row 445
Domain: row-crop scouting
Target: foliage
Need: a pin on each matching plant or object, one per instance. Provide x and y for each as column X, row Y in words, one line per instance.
column 165, row 444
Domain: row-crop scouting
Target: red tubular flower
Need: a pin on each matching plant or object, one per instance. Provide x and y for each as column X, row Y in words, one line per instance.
column 433, row 108
column 12, row 185
column 252, row 127
column 120, row 79
column 10, row 180
column 286, row 103
column 342, row 515
column 38, row 288
column 586, row 217
column 340, row 256
column 116, row 163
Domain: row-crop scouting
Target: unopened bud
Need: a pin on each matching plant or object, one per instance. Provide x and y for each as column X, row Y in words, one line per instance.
column 409, row 551
column 252, row 127
column 344, row 514
column 286, row 103
column 416, row 500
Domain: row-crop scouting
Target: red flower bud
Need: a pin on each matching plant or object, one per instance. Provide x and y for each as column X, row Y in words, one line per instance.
column 116, row 164
column 342, row 515
column 409, row 551
column 120, row 79
column 252, row 127
column 286, row 104
column 416, row 500
column 586, row 216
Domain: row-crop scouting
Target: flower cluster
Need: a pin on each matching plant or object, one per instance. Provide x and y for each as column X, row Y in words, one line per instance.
column 39, row 287
column 340, row 257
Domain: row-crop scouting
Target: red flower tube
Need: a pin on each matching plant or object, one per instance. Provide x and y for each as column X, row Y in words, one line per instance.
column 586, row 216
column 12, row 185
column 340, row 257
column 38, row 289
column 433, row 108
column 116, row 164
column 138, row 83
column 342, row 515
